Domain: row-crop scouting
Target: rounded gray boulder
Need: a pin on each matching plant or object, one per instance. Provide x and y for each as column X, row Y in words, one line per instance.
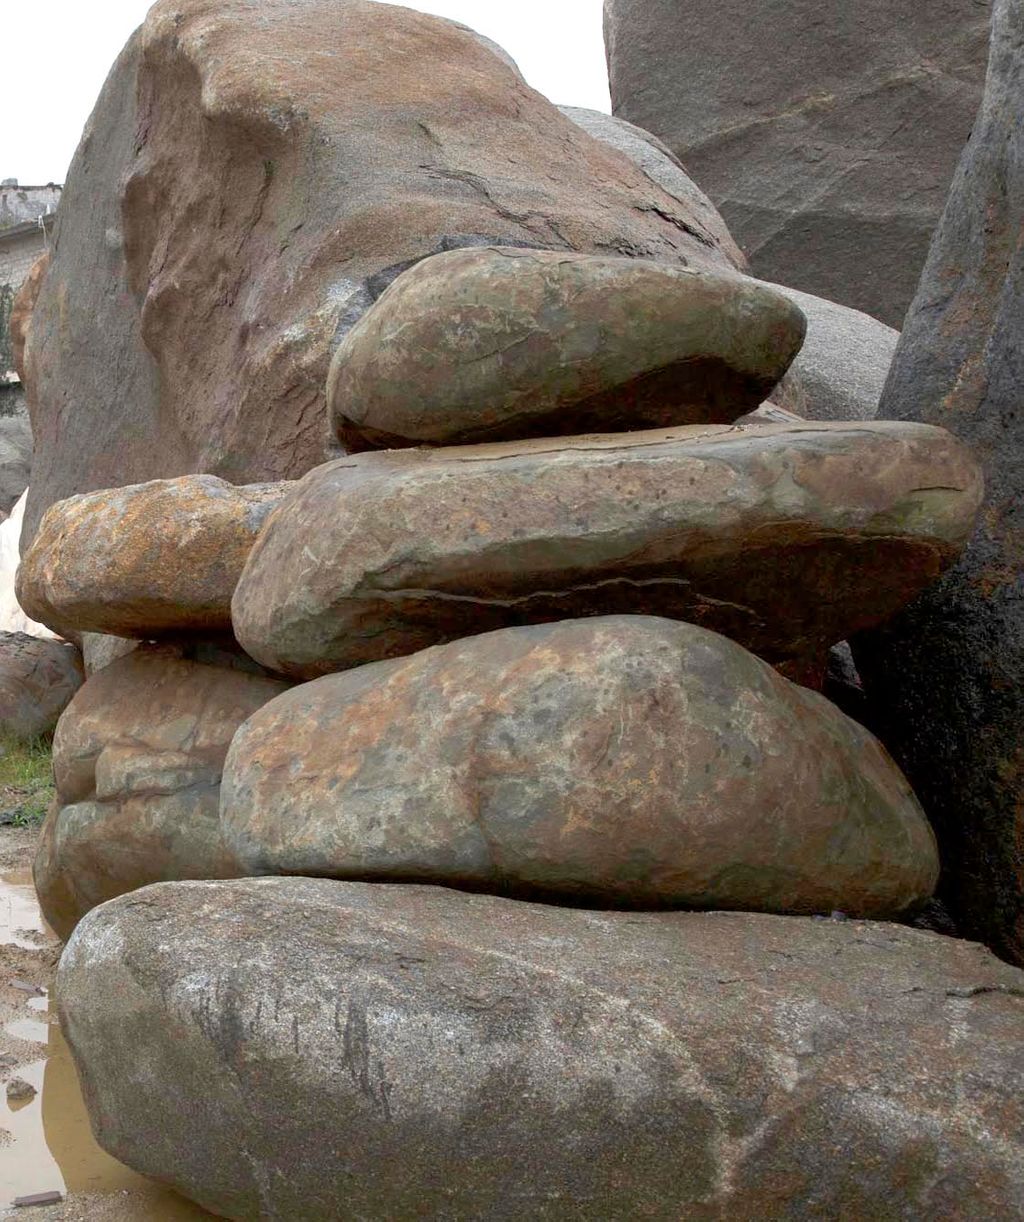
column 305, row 1049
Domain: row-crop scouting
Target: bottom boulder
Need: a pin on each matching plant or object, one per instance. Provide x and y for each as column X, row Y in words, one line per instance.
column 314, row 1049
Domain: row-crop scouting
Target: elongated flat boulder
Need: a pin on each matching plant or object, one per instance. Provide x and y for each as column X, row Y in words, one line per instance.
column 495, row 344
column 145, row 560
column 785, row 538
column 137, row 761
column 413, row 1052
column 626, row 760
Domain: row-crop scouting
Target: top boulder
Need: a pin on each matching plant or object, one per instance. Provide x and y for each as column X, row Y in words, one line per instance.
column 498, row 344
column 826, row 132
column 252, row 178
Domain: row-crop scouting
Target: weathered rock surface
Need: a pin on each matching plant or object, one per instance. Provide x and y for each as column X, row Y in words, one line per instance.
column 946, row 680
column 245, row 189
column 37, row 680
column 784, row 539
column 21, row 310
column 15, row 459
column 661, row 165
column 827, row 134
column 290, row 1038
column 497, row 344
column 624, row 760
column 840, row 371
column 147, row 559
column 137, row 761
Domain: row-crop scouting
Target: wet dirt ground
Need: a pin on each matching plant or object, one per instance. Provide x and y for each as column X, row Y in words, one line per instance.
column 45, row 1141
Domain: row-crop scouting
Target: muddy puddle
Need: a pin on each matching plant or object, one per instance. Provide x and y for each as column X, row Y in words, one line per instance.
column 48, row 1145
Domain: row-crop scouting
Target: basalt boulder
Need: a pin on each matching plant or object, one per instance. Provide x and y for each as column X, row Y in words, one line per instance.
column 946, row 679
column 827, row 133
column 498, row 344
column 137, row 760
column 144, row 560
column 38, row 678
column 784, row 538
column 303, row 1048
column 247, row 185
column 622, row 760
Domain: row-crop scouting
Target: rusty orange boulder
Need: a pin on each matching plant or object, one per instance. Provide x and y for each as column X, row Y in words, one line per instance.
column 494, row 344
column 624, row 760
column 145, row 560
column 137, row 761
column 785, row 538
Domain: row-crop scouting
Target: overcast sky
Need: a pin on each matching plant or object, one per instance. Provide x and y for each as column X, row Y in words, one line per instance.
column 56, row 57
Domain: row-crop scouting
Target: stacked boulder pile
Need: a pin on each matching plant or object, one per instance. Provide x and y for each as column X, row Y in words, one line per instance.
column 542, row 667
column 508, row 862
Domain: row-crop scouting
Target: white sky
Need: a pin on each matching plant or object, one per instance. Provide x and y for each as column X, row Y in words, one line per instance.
column 56, row 57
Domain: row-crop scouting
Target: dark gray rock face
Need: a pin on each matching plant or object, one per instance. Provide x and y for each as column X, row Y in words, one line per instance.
column 840, row 371
column 826, row 134
column 310, row 1049
column 37, row 681
column 946, row 678
column 245, row 189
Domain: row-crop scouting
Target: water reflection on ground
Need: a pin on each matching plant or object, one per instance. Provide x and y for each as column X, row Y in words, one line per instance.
column 50, row 1146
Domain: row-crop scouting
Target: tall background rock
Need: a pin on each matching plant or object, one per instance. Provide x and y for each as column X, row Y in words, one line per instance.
column 947, row 677
column 826, row 132
column 252, row 177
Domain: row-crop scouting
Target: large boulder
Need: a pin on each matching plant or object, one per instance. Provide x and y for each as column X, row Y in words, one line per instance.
column 496, row 344
column 946, row 679
column 301, row 1048
column 246, row 187
column 137, row 761
column 145, row 560
column 783, row 538
column 625, row 760
column 827, row 134
column 38, row 678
